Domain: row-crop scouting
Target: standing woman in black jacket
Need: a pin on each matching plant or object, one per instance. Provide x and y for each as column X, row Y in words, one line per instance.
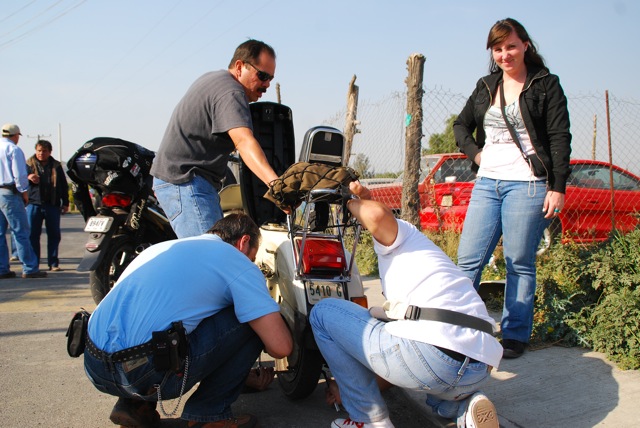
column 521, row 151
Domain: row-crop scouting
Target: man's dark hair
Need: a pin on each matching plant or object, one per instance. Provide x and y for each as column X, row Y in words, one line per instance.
column 45, row 144
column 235, row 226
column 250, row 50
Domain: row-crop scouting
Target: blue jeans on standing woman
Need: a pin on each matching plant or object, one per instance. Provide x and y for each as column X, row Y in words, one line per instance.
column 192, row 207
column 221, row 352
column 51, row 217
column 357, row 347
column 14, row 216
column 511, row 210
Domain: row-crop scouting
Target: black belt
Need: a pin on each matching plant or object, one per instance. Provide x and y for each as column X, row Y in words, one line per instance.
column 456, row 355
column 450, row 317
column 128, row 354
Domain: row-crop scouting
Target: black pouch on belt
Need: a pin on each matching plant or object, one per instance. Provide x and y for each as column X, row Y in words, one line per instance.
column 77, row 333
column 170, row 348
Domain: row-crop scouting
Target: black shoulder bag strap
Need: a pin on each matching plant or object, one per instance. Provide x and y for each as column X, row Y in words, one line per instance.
column 512, row 131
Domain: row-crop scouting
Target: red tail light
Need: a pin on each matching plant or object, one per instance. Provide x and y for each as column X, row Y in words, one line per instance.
column 116, row 200
column 322, row 256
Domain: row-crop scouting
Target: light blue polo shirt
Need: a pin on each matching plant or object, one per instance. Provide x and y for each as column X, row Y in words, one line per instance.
column 184, row 280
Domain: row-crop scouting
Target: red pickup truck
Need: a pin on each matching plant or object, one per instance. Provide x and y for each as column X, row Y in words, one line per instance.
column 445, row 185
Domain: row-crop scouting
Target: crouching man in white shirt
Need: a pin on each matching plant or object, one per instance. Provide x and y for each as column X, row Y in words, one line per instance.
column 433, row 334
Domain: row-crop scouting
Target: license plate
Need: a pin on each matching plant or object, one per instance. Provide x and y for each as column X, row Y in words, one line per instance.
column 317, row 291
column 447, row 200
column 98, row 224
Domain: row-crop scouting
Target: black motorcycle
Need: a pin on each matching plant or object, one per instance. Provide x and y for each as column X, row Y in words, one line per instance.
column 112, row 189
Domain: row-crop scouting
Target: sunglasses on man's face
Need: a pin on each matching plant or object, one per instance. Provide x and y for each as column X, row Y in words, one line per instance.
column 262, row 75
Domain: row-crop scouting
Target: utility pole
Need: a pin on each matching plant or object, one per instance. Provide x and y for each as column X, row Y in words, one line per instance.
column 59, row 142
column 413, row 138
column 351, row 122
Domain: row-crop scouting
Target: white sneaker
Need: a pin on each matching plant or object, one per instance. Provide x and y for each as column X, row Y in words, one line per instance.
column 481, row 413
column 348, row 423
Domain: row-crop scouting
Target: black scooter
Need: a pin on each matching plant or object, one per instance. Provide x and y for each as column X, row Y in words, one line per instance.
column 112, row 189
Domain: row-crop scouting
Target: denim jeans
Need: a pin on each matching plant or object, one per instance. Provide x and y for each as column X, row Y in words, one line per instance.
column 221, row 353
column 14, row 216
column 513, row 210
column 14, row 247
column 51, row 217
column 357, row 347
column 192, row 207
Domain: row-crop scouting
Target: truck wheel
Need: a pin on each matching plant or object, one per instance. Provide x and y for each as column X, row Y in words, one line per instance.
column 550, row 235
column 303, row 372
column 119, row 253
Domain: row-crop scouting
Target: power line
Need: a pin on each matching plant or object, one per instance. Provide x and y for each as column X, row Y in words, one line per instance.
column 185, row 57
column 122, row 58
column 38, row 136
column 33, row 18
column 41, row 26
column 17, row 11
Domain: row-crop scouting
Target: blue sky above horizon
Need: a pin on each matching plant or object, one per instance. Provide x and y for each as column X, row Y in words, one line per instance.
column 117, row 68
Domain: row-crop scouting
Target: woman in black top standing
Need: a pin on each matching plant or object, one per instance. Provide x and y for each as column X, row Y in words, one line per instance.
column 521, row 150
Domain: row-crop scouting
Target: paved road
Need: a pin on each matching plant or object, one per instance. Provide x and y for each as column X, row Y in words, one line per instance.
column 40, row 385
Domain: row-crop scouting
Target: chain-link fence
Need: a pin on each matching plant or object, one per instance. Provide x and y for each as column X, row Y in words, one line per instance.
column 598, row 198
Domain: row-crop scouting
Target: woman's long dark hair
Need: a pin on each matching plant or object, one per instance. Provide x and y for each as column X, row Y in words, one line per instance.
column 503, row 29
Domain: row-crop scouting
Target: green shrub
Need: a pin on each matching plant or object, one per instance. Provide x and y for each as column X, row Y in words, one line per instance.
column 589, row 296
column 614, row 328
column 366, row 258
column 553, row 308
column 617, row 265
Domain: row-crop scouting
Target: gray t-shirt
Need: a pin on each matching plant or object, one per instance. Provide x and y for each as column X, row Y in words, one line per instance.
column 196, row 141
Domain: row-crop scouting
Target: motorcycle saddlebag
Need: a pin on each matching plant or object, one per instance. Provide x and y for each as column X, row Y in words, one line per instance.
column 111, row 164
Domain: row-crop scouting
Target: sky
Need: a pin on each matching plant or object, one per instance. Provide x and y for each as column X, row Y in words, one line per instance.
column 73, row 70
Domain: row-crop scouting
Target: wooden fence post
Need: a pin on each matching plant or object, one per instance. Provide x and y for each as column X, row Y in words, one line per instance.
column 413, row 137
column 350, row 122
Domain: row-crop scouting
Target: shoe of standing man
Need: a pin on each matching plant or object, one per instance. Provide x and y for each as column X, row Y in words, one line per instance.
column 37, row 274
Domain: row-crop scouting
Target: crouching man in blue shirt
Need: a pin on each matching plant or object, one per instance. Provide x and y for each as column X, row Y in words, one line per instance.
column 209, row 284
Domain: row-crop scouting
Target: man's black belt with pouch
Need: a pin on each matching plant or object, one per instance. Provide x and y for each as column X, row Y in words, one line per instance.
column 169, row 347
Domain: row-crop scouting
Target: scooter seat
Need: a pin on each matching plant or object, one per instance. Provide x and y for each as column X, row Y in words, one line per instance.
column 231, row 198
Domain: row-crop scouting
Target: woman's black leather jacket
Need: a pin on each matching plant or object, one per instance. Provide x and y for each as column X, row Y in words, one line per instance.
column 543, row 106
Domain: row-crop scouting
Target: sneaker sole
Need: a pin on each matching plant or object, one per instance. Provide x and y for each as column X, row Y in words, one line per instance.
column 484, row 414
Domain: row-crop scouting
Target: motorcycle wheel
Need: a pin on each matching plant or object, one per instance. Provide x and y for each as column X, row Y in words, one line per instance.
column 120, row 252
column 303, row 372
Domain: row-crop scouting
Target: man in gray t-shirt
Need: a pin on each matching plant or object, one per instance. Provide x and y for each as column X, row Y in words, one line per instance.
column 211, row 121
